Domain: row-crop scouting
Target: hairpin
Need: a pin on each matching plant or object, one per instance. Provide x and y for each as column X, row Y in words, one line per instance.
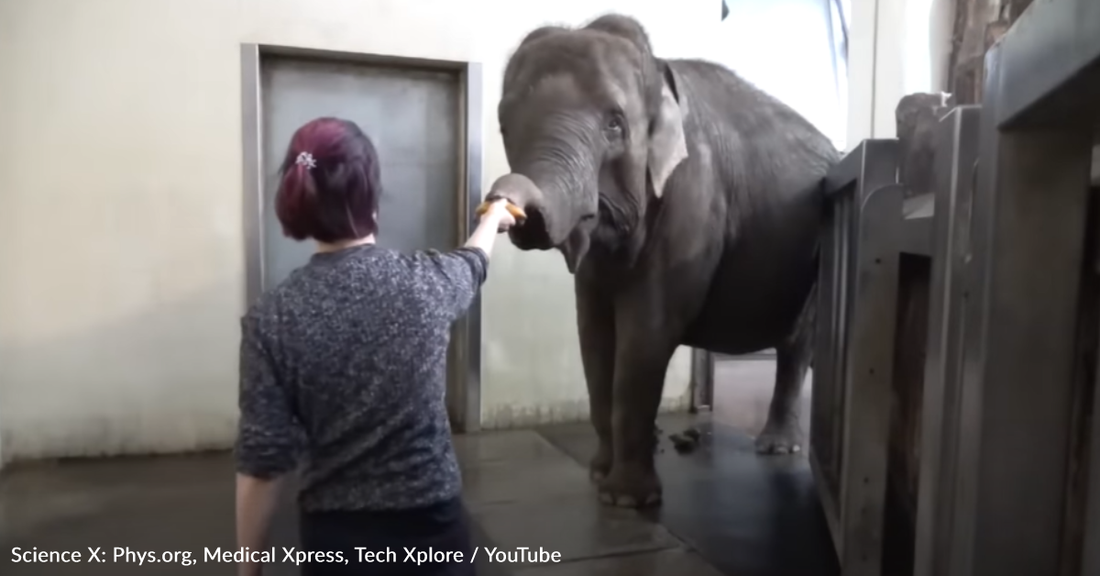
column 306, row 159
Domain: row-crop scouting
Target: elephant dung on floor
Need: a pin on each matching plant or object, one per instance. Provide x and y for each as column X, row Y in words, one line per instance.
column 687, row 204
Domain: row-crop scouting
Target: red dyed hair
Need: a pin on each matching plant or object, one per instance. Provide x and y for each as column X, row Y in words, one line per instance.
column 337, row 198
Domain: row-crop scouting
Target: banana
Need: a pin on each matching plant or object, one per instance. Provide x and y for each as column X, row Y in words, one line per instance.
column 514, row 210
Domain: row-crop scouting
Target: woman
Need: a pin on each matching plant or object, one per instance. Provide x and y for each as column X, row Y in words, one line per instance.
column 343, row 370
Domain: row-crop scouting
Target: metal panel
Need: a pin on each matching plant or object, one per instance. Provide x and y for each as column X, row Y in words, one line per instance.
column 1049, row 72
column 824, row 440
column 252, row 171
column 957, row 152
column 702, row 379
column 847, row 452
column 466, row 409
column 464, row 400
column 918, row 227
column 915, row 236
column 411, row 115
column 1090, row 563
column 868, row 376
column 1096, row 160
column 875, row 167
column 1020, row 323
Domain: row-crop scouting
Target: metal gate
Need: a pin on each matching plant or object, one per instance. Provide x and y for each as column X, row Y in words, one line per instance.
column 1009, row 448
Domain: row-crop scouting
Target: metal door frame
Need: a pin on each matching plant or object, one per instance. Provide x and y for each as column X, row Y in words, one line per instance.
column 464, row 382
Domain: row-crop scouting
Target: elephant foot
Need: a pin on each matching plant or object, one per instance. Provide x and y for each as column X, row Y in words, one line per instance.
column 600, row 465
column 782, row 438
column 629, row 487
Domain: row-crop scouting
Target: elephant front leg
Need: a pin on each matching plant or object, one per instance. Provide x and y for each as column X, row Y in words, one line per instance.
column 641, row 360
column 596, row 327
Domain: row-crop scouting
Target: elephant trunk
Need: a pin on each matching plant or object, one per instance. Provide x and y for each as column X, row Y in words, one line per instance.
column 554, row 180
column 550, row 215
column 521, row 191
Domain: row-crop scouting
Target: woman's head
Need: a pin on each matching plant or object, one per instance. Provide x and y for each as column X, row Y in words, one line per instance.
column 330, row 183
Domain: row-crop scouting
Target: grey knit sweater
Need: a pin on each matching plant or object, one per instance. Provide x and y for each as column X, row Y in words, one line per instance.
column 343, row 372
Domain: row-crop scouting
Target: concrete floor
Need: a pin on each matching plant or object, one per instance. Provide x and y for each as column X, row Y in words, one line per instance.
column 726, row 511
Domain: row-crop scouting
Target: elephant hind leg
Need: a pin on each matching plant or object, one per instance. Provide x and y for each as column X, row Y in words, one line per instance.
column 782, row 433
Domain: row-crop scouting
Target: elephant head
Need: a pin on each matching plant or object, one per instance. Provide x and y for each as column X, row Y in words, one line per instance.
column 593, row 127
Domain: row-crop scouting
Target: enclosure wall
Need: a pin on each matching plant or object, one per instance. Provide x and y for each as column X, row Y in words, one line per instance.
column 121, row 242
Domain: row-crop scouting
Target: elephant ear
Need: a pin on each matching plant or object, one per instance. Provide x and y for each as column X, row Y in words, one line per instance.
column 667, row 143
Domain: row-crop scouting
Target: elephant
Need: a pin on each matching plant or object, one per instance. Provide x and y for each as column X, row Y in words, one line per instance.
column 687, row 204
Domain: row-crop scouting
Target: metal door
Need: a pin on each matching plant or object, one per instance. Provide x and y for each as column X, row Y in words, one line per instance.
column 410, row 115
column 413, row 117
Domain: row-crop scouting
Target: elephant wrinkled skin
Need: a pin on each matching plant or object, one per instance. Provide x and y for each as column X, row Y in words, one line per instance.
column 687, row 204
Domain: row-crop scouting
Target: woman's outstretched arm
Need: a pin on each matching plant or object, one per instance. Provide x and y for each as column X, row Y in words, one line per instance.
column 450, row 280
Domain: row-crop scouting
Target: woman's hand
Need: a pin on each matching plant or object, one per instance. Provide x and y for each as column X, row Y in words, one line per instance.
column 494, row 220
column 256, row 502
column 498, row 212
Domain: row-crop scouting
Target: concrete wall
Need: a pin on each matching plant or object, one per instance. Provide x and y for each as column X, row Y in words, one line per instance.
column 784, row 47
column 896, row 47
column 121, row 258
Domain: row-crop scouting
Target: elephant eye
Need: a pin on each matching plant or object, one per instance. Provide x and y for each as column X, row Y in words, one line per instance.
column 615, row 124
